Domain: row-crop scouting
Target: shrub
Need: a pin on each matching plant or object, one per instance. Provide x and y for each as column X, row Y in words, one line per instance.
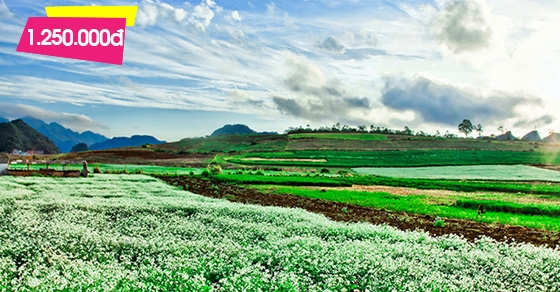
column 325, row 170
column 439, row 222
column 214, row 169
column 96, row 169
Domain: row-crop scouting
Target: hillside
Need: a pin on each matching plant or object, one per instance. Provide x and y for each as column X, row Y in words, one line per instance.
column 237, row 129
column 233, row 129
column 18, row 135
column 63, row 137
column 118, row 142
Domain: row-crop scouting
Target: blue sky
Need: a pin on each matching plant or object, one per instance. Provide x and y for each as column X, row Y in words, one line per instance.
column 190, row 67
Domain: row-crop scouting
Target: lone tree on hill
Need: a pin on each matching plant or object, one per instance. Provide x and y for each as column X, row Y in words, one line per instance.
column 479, row 129
column 466, row 127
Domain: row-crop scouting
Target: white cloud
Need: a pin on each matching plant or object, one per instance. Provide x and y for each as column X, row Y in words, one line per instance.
column 150, row 11
column 203, row 14
column 464, row 25
column 235, row 16
column 4, row 10
column 73, row 121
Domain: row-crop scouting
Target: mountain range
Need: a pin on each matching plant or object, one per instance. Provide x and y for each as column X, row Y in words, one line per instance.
column 117, row 142
column 18, row 135
column 65, row 138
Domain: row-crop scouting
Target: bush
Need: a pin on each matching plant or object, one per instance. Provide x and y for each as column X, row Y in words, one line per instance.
column 214, row 169
column 96, row 169
column 439, row 222
column 325, row 170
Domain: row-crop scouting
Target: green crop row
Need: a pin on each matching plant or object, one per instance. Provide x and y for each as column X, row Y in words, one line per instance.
column 433, row 184
column 509, row 207
column 281, row 180
column 405, row 158
column 426, row 204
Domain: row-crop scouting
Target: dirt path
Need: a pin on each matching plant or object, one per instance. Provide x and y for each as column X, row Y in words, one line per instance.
column 469, row 229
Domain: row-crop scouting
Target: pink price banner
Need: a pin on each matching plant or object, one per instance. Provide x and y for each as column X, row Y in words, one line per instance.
column 88, row 39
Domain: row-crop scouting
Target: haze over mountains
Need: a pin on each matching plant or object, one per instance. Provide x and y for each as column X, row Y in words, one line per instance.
column 63, row 137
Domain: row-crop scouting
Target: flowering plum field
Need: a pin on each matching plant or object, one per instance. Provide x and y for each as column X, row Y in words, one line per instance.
column 134, row 232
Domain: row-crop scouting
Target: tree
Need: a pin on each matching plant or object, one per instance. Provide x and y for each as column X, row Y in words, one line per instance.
column 501, row 129
column 479, row 129
column 407, row 131
column 466, row 127
column 80, row 147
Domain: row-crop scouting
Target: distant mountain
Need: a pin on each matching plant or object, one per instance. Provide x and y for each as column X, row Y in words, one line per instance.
column 233, row 129
column 552, row 138
column 63, row 137
column 236, row 129
column 532, row 136
column 19, row 135
column 3, row 120
column 118, row 142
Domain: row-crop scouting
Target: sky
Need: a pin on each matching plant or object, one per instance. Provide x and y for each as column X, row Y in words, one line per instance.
column 191, row 67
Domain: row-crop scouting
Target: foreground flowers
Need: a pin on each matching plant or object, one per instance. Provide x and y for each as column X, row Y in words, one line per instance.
column 133, row 232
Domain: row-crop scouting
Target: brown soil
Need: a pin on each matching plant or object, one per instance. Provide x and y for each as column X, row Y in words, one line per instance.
column 140, row 156
column 50, row 172
column 468, row 229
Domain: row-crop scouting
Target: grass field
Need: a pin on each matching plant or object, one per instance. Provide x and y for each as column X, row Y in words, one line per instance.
column 147, row 169
column 537, row 211
column 471, row 172
column 409, row 158
column 133, row 232
column 340, row 136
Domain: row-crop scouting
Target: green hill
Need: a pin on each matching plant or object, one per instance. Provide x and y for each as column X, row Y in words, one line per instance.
column 18, row 135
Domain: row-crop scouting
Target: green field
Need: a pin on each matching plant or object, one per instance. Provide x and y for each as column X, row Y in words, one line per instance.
column 471, row 172
column 340, row 136
column 501, row 208
column 147, row 169
column 135, row 233
column 429, row 184
column 407, row 158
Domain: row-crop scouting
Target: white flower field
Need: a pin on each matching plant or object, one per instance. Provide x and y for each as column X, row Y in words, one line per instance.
column 136, row 233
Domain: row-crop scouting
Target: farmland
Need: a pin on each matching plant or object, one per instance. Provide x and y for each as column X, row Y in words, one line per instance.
column 294, row 212
column 128, row 232
column 390, row 158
